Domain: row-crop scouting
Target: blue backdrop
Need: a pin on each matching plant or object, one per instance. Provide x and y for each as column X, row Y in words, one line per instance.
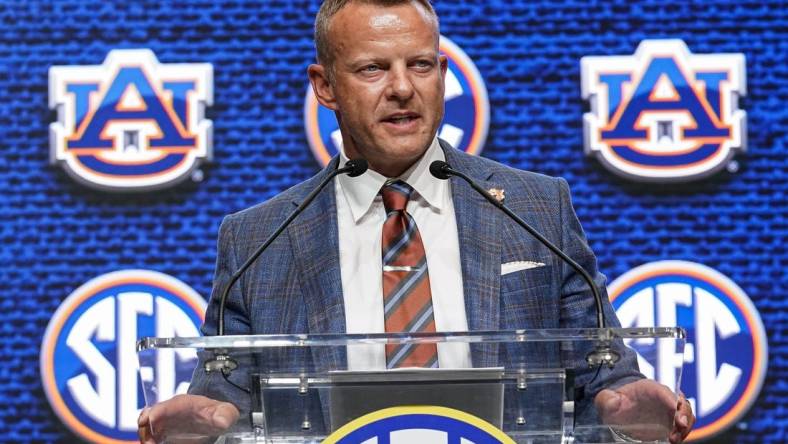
column 56, row 234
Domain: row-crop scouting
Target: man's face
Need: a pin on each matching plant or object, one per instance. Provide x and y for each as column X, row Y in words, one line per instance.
column 387, row 86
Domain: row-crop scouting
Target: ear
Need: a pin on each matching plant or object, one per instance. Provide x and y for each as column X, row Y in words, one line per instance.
column 324, row 91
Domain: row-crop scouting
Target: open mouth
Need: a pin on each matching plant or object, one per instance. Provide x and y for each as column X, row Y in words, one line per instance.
column 401, row 119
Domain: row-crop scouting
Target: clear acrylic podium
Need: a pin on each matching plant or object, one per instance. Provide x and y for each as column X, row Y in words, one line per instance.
column 533, row 385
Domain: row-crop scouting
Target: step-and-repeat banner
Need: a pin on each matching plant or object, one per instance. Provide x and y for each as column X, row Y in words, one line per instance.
column 127, row 130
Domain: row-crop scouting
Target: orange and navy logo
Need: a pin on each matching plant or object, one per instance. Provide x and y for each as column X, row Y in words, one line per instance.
column 418, row 424
column 89, row 365
column 725, row 357
column 130, row 124
column 664, row 114
column 465, row 122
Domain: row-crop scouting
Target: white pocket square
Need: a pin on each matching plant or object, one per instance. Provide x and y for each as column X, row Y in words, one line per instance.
column 511, row 267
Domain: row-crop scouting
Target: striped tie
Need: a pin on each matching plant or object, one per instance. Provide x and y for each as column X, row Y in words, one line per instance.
column 406, row 283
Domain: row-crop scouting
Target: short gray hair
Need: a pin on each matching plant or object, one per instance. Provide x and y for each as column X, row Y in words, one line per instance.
column 330, row 7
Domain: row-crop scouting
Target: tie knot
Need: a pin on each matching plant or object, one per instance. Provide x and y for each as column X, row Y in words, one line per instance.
column 396, row 195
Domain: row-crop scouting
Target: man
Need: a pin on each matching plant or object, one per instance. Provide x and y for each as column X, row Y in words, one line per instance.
column 380, row 71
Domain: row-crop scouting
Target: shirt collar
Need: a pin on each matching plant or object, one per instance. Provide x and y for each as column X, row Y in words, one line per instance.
column 361, row 191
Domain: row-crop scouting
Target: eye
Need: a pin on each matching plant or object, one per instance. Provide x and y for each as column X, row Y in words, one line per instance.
column 423, row 65
column 370, row 68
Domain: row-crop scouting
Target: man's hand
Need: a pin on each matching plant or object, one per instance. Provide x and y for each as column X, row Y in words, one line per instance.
column 646, row 410
column 192, row 418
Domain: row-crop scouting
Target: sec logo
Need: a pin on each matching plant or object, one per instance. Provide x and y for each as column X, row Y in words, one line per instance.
column 131, row 124
column 725, row 356
column 418, row 424
column 464, row 125
column 88, row 355
column 664, row 114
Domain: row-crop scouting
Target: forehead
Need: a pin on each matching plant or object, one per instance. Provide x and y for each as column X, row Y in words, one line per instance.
column 359, row 25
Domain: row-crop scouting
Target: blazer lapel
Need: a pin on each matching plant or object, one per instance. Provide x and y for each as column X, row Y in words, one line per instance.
column 478, row 228
column 314, row 238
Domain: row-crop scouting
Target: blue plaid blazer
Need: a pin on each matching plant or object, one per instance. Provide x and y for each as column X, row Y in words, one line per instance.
column 295, row 287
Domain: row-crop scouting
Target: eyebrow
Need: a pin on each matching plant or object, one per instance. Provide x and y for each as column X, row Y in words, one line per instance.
column 377, row 59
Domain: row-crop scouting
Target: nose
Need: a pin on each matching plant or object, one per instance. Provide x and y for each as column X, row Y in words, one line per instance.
column 400, row 87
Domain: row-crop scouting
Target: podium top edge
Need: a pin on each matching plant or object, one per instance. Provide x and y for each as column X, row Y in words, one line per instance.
column 252, row 342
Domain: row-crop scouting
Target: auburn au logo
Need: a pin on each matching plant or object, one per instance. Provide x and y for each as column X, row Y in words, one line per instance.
column 726, row 353
column 664, row 114
column 132, row 123
column 465, row 122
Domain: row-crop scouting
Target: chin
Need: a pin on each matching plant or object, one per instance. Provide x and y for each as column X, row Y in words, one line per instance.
column 415, row 145
column 408, row 152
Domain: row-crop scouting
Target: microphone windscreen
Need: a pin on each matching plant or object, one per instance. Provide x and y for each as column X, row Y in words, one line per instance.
column 358, row 167
column 438, row 169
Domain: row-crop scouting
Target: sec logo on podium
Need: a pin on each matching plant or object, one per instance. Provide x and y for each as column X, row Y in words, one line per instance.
column 725, row 356
column 418, row 424
column 465, row 123
column 88, row 355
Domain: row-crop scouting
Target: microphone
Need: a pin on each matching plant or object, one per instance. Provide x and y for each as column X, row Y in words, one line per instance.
column 603, row 354
column 221, row 361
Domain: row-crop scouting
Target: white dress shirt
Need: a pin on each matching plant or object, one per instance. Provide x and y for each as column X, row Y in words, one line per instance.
column 360, row 217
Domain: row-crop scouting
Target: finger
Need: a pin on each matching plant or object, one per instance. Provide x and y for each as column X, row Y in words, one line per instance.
column 682, row 401
column 215, row 418
column 158, row 422
column 682, row 422
column 189, row 416
column 211, row 418
column 145, row 436
column 224, row 416
column 667, row 397
column 609, row 404
column 681, row 428
column 608, row 399
column 143, row 427
column 143, row 419
column 688, row 419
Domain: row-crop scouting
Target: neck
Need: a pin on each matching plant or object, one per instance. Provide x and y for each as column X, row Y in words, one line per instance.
column 387, row 166
column 390, row 169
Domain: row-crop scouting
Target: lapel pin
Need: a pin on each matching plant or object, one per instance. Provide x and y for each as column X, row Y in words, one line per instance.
column 497, row 193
